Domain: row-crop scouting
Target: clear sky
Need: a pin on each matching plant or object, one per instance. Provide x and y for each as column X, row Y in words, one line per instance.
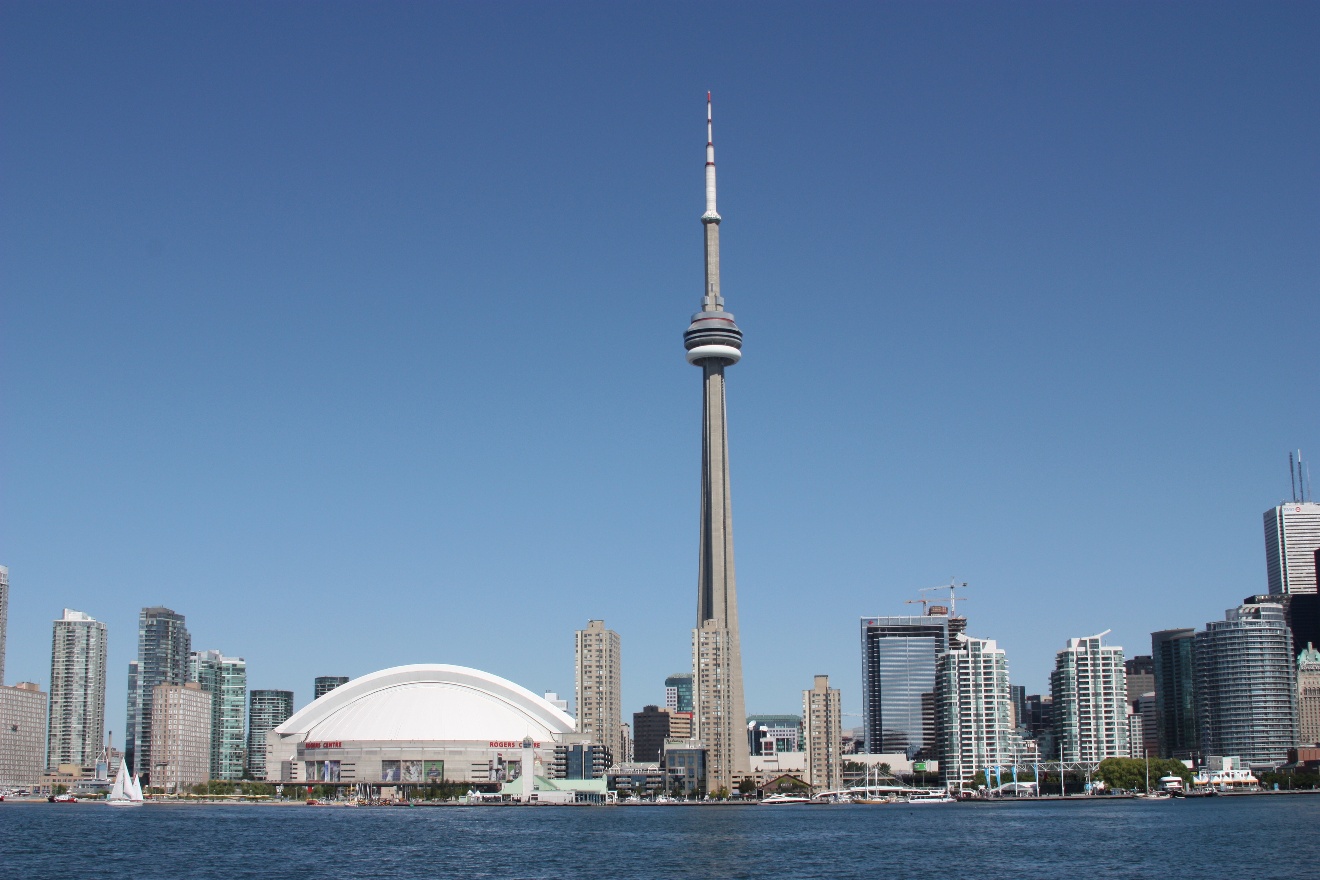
column 353, row 331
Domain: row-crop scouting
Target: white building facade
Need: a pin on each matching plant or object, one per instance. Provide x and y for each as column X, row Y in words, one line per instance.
column 76, row 727
column 974, row 710
column 1089, row 688
column 1292, row 536
column 1246, row 685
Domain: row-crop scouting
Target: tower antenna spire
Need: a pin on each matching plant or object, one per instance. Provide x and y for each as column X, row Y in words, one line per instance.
column 1292, row 475
column 711, row 214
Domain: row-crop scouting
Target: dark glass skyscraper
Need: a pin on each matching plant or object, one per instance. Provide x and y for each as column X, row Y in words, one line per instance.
column 898, row 682
column 163, row 649
column 326, row 683
column 1173, row 656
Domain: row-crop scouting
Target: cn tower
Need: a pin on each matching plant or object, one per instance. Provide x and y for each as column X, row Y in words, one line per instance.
column 714, row 342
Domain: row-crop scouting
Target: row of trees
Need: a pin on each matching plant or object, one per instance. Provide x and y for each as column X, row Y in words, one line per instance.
column 1129, row 774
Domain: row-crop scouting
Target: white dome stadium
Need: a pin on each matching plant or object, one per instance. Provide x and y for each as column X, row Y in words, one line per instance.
column 427, row 703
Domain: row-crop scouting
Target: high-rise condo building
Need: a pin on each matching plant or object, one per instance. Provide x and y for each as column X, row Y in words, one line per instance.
column 822, row 734
column 76, row 728
column 225, row 679
column 1176, row 728
column 1308, row 697
column 163, row 649
column 678, row 692
column 714, row 342
column 898, row 682
column 598, row 661
column 324, row 684
column 180, row 736
column 4, row 617
column 1292, row 537
column 1089, row 686
column 22, row 735
column 974, row 709
column 267, row 710
column 1246, row 681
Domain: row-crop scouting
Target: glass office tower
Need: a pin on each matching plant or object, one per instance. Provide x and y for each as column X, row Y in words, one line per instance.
column 898, row 682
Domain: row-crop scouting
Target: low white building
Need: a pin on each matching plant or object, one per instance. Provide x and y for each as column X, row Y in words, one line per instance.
column 419, row 725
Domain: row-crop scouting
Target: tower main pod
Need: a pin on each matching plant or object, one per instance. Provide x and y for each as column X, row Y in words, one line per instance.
column 713, row 342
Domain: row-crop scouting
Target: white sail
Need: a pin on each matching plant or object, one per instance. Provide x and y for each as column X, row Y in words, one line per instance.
column 121, row 788
column 126, row 791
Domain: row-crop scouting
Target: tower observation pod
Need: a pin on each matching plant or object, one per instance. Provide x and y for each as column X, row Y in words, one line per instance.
column 713, row 342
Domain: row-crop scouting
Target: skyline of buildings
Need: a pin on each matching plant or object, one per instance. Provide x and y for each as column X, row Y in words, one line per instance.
column 76, row 725
column 714, row 342
column 929, row 690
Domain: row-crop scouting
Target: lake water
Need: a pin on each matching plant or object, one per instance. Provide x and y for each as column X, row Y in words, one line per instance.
column 1252, row 837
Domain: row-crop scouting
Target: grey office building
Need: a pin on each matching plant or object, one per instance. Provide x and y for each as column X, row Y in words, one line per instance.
column 1246, row 685
column 163, row 649
column 898, row 682
column 267, row 710
column 326, row 683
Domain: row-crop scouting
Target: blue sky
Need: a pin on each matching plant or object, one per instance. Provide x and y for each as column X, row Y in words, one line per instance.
column 353, row 331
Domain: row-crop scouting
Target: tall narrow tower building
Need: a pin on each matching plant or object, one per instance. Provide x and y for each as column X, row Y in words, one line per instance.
column 598, row 658
column 714, row 342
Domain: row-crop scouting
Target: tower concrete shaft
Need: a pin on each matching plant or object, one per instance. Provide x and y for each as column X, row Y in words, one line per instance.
column 714, row 342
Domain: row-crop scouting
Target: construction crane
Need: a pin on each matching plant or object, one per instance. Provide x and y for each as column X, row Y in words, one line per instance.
column 923, row 603
column 953, row 586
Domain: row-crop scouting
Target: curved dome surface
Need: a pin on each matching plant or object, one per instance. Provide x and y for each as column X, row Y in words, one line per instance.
column 427, row 702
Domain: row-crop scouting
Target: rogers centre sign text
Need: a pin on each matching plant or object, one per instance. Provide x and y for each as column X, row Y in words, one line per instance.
column 509, row 744
column 324, row 745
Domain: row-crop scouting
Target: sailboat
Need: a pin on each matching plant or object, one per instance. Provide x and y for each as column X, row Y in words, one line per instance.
column 127, row 791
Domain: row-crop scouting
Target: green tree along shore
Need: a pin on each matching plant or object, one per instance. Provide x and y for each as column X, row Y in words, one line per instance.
column 1129, row 774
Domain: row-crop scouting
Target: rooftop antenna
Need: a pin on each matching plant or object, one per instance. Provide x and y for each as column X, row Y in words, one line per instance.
column 1307, row 490
column 1292, row 474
